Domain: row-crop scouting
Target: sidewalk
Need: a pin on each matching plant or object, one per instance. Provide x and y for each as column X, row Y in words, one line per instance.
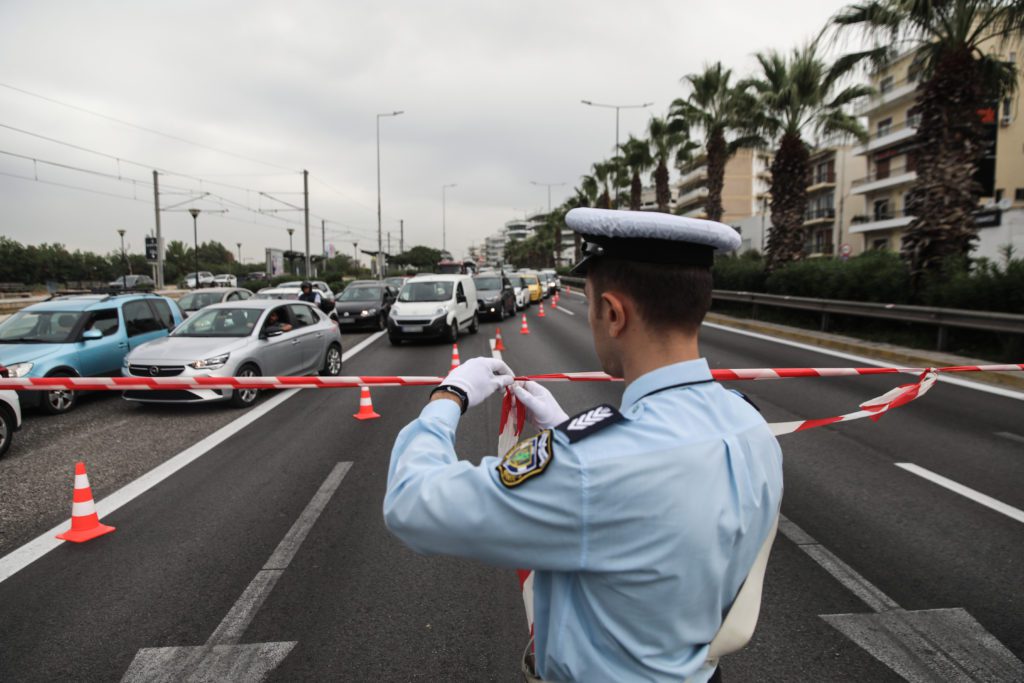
column 897, row 355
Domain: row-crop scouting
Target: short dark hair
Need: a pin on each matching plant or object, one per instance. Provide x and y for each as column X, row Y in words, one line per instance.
column 667, row 296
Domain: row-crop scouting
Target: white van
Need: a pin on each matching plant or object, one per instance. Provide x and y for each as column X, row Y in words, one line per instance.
column 434, row 306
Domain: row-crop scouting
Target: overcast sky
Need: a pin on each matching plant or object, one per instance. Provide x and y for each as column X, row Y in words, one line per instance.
column 491, row 93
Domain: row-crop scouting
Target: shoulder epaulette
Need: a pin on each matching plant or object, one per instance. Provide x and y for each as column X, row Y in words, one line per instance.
column 589, row 422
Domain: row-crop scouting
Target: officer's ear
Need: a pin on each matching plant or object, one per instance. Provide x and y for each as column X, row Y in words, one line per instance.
column 612, row 306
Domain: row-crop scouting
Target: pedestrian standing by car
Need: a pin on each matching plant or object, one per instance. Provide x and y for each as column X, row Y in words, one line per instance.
column 309, row 294
column 647, row 527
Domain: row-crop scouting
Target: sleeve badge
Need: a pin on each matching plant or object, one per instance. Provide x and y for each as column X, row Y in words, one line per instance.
column 526, row 459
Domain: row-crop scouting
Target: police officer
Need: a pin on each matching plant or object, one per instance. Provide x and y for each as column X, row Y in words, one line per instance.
column 642, row 522
column 309, row 294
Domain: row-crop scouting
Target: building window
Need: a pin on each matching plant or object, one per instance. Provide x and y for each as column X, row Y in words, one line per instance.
column 881, row 209
column 999, row 194
column 882, row 168
column 880, row 244
column 911, row 161
column 913, row 117
column 886, row 84
column 883, row 126
column 1018, row 194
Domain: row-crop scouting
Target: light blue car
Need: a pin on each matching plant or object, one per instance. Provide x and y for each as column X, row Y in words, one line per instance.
column 80, row 336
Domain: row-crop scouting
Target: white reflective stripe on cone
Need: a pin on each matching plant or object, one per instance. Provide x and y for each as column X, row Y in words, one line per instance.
column 81, row 481
column 83, row 509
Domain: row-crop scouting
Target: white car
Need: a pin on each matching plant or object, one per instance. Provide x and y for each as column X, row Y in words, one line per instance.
column 438, row 306
column 225, row 280
column 522, row 291
column 205, row 279
column 10, row 418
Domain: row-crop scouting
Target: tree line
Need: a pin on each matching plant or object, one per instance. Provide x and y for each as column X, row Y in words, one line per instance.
column 799, row 97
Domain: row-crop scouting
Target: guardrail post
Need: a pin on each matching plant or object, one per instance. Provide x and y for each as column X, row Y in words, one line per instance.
column 753, row 311
column 943, row 338
column 824, row 321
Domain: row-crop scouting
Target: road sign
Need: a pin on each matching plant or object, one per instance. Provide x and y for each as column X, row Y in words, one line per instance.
column 151, row 249
column 844, row 251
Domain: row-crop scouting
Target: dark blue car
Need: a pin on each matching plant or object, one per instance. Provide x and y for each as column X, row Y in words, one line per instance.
column 80, row 336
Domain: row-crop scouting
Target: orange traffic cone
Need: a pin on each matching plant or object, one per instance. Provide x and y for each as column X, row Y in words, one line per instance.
column 554, row 301
column 85, row 523
column 540, row 314
column 455, row 357
column 366, row 411
column 499, row 345
column 568, row 289
column 525, row 329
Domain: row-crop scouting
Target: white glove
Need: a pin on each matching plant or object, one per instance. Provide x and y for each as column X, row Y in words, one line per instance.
column 544, row 411
column 479, row 378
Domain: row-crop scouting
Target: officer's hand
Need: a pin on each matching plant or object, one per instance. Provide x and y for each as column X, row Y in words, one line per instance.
column 544, row 411
column 480, row 377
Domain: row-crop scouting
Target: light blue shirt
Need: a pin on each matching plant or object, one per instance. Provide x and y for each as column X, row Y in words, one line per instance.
column 640, row 535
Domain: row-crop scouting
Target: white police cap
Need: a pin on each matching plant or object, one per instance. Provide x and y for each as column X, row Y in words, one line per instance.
column 649, row 237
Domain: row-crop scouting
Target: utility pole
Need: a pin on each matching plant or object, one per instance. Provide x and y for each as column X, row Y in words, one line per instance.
column 444, row 217
column 401, row 236
column 305, row 194
column 195, row 242
column 617, row 108
column 323, row 238
column 355, row 254
column 239, row 245
column 389, row 246
column 159, row 239
column 380, row 245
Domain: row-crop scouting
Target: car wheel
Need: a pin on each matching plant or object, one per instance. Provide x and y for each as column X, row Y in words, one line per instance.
column 474, row 326
column 59, row 401
column 6, row 430
column 332, row 363
column 243, row 398
column 453, row 331
column 382, row 322
column 395, row 341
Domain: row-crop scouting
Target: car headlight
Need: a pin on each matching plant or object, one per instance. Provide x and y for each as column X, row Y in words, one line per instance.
column 210, row 363
column 124, row 361
column 367, row 312
column 440, row 311
column 19, row 369
column 394, row 311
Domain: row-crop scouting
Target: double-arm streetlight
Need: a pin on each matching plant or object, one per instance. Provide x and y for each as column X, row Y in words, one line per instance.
column 124, row 262
column 444, row 216
column 617, row 108
column 195, row 239
column 380, row 233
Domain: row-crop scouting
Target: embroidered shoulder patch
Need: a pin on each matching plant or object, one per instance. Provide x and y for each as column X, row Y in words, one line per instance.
column 526, row 459
column 589, row 421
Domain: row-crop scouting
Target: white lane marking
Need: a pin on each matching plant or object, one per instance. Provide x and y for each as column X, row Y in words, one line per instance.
column 238, row 618
column 563, row 310
column 998, row 391
column 872, row 596
column 495, row 353
column 1011, row 436
column 967, row 492
column 21, row 557
column 222, row 658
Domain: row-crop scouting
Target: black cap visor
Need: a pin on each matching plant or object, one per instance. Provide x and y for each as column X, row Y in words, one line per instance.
column 669, row 252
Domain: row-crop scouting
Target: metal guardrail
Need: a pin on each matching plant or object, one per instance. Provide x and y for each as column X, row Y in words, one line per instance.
column 942, row 318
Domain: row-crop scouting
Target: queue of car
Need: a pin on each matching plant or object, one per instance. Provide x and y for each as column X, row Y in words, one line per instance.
column 229, row 331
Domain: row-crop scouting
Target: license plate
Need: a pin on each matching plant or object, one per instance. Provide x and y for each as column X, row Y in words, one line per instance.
column 410, row 329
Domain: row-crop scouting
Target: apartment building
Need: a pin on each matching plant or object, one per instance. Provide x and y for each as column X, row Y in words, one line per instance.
column 890, row 154
column 827, row 221
column 494, row 247
column 745, row 184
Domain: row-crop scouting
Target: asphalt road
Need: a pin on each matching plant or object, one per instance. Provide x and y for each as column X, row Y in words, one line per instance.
column 359, row 606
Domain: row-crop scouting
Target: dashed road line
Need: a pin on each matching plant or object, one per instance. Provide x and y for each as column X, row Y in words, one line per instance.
column 1011, row 436
column 965, row 491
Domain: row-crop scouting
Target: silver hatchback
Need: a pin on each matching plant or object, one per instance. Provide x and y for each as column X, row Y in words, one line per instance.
column 250, row 338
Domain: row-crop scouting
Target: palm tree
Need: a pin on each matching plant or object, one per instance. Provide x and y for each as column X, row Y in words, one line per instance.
column 959, row 79
column 636, row 156
column 586, row 195
column 602, row 171
column 726, row 116
column 798, row 94
column 665, row 138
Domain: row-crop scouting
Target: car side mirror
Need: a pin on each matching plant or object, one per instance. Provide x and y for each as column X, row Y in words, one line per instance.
column 89, row 335
column 272, row 331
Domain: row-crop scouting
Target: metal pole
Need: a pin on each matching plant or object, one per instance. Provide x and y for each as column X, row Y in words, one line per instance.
column 380, row 245
column 159, row 238
column 323, row 238
column 616, row 199
column 195, row 241
column 239, row 245
column 401, row 236
column 355, row 255
column 305, row 194
column 124, row 263
column 444, row 227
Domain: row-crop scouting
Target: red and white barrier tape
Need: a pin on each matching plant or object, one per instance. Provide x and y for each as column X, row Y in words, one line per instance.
column 186, row 383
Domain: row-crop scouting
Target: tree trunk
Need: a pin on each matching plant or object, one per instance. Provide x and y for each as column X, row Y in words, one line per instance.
column 578, row 247
column 604, row 201
column 789, row 201
column 716, row 151
column 662, row 192
column 945, row 195
column 636, row 189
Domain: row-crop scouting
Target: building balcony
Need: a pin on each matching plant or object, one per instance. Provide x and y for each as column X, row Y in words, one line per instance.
column 693, row 195
column 874, row 181
column 696, row 213
column 821, row 181
column 699, row 173
column 896, row 93
column 880, row 220
column 888, row 136
column 816, row 216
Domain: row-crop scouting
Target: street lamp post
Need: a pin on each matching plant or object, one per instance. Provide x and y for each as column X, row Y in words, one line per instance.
column 239, row 245
column 380, row 236
column 558, row 232
column 444, row 217
column 195, row 239
column 291, row 231
column 617, row 108
column 355, row 257
column 124, row 262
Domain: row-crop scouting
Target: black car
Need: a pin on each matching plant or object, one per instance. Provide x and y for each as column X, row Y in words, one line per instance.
column 495, row 296
column 364, row 303
column 132, row 283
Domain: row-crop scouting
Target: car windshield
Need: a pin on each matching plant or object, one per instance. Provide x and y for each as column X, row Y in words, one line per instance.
column 197, row 300
column 220, row 322
column 426, row 291
column 360, row 294
column 276, row 295
column 39, row 327
column 531, row 279
column 487, row 283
